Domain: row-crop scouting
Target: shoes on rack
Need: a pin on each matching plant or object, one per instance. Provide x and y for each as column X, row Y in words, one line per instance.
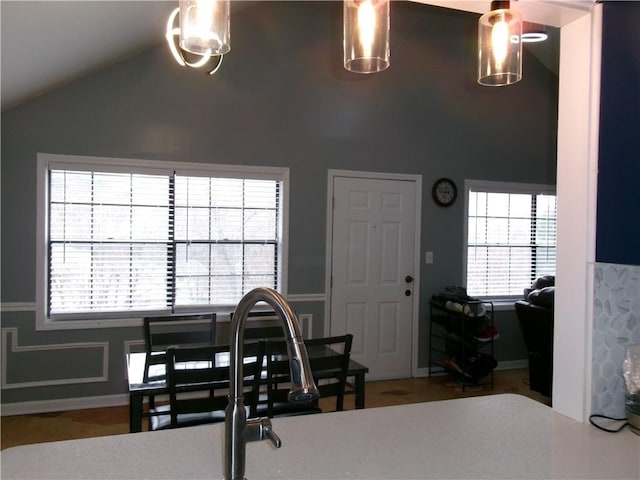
column 451, row 335
column 488, row 334
column 450, row 364
column 478, row 365
column 474, row 366
column 456, row 292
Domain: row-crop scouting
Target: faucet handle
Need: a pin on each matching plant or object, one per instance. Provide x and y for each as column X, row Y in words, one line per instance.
column 257, row 429
column 271, row 435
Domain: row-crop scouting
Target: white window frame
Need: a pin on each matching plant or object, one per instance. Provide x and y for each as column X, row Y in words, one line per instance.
column 47, row 161
column 504, row 301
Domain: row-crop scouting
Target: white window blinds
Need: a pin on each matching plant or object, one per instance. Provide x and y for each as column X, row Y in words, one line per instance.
column 108, row 238
column 511, row 240
column 226, row 237
column 122, row 242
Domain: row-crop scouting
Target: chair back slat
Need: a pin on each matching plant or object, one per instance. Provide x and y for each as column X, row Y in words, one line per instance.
column 170, row 339
column 200, row 376
column 261, row 326
column 263, row 333
column 162, row 332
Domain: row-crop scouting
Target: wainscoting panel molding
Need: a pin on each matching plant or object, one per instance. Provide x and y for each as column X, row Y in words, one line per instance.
column 134, row 346
column 63, row 404
column 43, row 356
column 306, row 325
column 306, row 297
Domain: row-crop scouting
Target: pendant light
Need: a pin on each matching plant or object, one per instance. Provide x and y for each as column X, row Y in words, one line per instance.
column 366, row 35
column 202, row 37
column 499, row 46
column 204, row 26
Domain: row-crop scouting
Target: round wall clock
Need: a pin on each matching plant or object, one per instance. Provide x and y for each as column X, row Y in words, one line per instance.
column 444, row 192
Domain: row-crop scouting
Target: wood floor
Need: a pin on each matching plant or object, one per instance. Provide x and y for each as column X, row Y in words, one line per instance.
column 48, row 427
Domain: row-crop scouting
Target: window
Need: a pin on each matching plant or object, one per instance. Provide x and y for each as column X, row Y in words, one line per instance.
column 152, row 238
column 510, row 237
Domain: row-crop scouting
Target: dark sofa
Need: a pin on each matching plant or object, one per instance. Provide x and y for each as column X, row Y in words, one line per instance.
column 535, row 314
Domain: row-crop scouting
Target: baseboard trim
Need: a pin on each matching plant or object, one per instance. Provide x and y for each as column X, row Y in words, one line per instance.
column 63, row 404
column 508, row 365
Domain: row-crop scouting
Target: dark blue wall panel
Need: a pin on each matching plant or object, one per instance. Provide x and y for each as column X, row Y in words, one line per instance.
column 618, row 217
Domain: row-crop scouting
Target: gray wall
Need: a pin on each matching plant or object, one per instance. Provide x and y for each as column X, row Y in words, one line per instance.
column 282, row 98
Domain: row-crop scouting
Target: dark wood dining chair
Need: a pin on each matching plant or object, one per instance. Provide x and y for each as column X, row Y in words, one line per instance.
column 329, row 361
column 329, row 358
column 198, row 384
column 162, row 332
column 260, row 327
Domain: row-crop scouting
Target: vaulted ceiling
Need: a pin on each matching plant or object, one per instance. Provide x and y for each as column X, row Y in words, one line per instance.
column 45, row 44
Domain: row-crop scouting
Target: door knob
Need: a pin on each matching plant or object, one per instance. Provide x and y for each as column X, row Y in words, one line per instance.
column 407, row 293
column 408, row 279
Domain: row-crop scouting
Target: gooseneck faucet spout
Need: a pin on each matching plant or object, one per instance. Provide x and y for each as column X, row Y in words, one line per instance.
column 239, row 430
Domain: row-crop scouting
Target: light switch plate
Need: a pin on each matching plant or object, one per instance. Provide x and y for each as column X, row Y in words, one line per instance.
column 428, row 258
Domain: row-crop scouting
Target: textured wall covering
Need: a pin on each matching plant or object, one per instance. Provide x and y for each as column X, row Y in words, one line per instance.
column 616, row 324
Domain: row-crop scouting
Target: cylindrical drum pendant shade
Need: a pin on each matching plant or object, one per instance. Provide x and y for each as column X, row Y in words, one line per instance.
column 366, row 35
column 499, row 48
column 204, row 26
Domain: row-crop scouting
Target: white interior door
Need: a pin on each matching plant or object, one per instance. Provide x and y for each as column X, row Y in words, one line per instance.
column 372, row 271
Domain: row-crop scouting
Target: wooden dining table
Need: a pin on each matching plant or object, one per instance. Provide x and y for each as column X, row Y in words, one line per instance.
column 146, row 376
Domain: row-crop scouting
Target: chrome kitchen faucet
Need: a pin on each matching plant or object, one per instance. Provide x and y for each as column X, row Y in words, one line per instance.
column 239, row 430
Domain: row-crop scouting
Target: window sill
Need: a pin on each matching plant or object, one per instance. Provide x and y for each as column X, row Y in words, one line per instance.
column 504, row 305
column 49, row 324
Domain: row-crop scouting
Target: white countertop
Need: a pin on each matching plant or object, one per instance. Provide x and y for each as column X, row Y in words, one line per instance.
column 492, row 437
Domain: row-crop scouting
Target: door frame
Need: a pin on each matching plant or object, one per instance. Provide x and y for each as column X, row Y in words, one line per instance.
column 417, row 179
